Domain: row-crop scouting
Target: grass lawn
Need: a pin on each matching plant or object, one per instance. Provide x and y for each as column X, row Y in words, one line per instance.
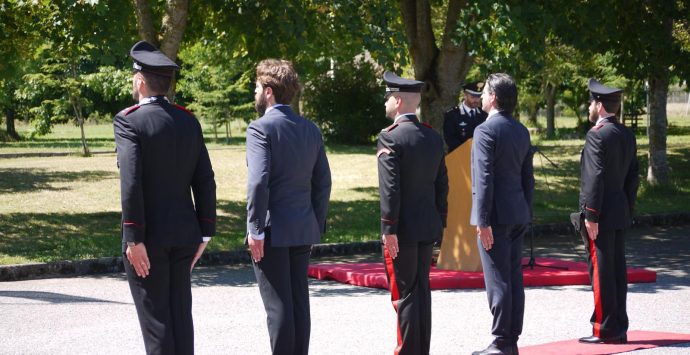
column 68, row 207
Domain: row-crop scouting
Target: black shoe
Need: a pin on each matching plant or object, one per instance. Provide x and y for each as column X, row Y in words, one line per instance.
column 494, row 349
column 620, row 339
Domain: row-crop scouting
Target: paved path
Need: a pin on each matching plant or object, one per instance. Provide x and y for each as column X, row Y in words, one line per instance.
column 95, row 315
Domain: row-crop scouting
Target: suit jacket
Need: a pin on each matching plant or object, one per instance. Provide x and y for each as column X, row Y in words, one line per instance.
column 289, row 180
column 162, row 156
column 502, row 175
column 459, row 125
column 413, row 181
column 610, row 175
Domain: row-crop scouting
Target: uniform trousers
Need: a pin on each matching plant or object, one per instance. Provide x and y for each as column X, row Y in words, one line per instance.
column 608, row 274
column 164, row 300
column 282, row 279
column 502, row 266
column 408, row 280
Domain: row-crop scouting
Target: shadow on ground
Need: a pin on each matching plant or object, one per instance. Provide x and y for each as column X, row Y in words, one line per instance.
column 51, row 297
column 31, row 180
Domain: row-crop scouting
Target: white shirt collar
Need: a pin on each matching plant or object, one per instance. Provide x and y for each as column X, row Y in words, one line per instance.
column 401, row 115
column 466, row 108
column 601, row 119
column 492, row 112
column 274, row 106
column 150, row 99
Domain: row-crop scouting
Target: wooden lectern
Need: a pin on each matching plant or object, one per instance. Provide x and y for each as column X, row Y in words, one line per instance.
column 459, row 249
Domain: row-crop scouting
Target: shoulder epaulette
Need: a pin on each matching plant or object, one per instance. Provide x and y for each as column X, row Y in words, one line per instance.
column 390, row 128
column 453, row 109
column 183, row 109
column 131, row 109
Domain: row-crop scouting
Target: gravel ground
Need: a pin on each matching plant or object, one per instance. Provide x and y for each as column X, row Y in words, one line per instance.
column 95, row 315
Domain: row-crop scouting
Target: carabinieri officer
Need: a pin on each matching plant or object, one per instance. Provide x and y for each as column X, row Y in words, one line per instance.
column 163, row 163
column 413, row 185
column 608, row 190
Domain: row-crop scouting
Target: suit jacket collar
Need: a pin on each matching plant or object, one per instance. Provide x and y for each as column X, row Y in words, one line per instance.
column 283, row 110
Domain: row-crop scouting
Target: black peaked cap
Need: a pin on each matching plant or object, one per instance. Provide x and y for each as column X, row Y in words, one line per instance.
column 148, row 58
column 474, row 88
column 395, row 83
column 603, row 93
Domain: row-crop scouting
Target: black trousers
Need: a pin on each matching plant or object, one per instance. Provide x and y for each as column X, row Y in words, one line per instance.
column 608, row 274
column 282, row 279
column 408, row 280
column 164, row 300
column 502, row 266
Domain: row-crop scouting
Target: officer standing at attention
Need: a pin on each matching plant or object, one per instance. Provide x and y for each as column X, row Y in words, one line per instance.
column 460, row 121
column 413, row 186
column 502, row 189
column 163, row 162
column 608, row 190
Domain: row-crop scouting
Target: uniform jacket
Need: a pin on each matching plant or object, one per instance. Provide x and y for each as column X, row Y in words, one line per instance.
column 502, row 175
column 458, row 125
column 413, row 181
column 163, row 163
column 609, row 181
column 289, row 180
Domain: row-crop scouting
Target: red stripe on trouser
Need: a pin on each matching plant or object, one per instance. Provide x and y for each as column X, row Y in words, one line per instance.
column 395, row 293
column 596, row 287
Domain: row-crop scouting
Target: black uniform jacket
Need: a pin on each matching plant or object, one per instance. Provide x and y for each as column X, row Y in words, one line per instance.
column 413, row 181
column 610, row 175
column 458, row 125
column 163, row 162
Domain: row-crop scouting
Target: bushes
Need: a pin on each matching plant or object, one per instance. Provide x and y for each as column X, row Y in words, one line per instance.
column 347, row 103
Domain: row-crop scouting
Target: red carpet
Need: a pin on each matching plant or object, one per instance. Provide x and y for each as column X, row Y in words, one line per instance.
column 372, row 275
column 637, row 340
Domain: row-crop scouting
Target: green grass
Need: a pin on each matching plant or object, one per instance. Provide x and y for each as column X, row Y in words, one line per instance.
column 68, row 207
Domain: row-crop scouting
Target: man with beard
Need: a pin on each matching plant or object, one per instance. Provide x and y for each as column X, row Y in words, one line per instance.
column 502, row 188
column 413, row 186
column 608, row 190
column 288, row 187
column 162, row 156
column 460, row 121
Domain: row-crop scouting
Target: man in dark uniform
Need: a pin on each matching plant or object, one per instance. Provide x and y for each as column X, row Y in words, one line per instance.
column 608, row 190
column 288, row 188
column 502, row 189
column 460, row 121
column 163, row 162
column 413, row 185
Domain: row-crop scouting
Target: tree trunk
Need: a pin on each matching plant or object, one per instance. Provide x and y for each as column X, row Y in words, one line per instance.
column 441, row 69
column 657, row 173
column 10, row 114
column 550, row 110
column 145, row 21
column 80, row 121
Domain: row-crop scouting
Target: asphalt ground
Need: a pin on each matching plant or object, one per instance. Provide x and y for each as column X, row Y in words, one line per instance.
column 95, row 314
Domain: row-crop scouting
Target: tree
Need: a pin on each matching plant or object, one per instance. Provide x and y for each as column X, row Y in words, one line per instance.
column 655, row 54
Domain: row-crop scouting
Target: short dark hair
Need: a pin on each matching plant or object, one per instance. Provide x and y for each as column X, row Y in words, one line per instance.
column 503, row 86
column 280, row 76
column 610, row 106
column 158, row 84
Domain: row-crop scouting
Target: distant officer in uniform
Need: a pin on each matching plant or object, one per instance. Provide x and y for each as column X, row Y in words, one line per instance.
column 413, row 185
column 460, row 121
column 502, row 189
column 608, row 190
column 288, row 188
column 163, row 162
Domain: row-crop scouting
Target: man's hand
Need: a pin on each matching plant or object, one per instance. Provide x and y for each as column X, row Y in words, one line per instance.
column 390, row 242
column 592, row 229
column 139, row 259
column 256, row 247
column 486, row 236
column 199, row 251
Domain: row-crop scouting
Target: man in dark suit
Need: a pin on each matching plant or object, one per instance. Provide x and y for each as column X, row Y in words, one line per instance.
column 460, row 121
column 162, row 157
column 608, row 190
column 289, row 184
column 502, row 188
column 413, row 185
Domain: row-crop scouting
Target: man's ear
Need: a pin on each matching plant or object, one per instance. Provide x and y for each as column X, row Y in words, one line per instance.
column 268, row 91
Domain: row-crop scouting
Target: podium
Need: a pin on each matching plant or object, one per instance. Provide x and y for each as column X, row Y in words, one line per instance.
column 459, row 249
